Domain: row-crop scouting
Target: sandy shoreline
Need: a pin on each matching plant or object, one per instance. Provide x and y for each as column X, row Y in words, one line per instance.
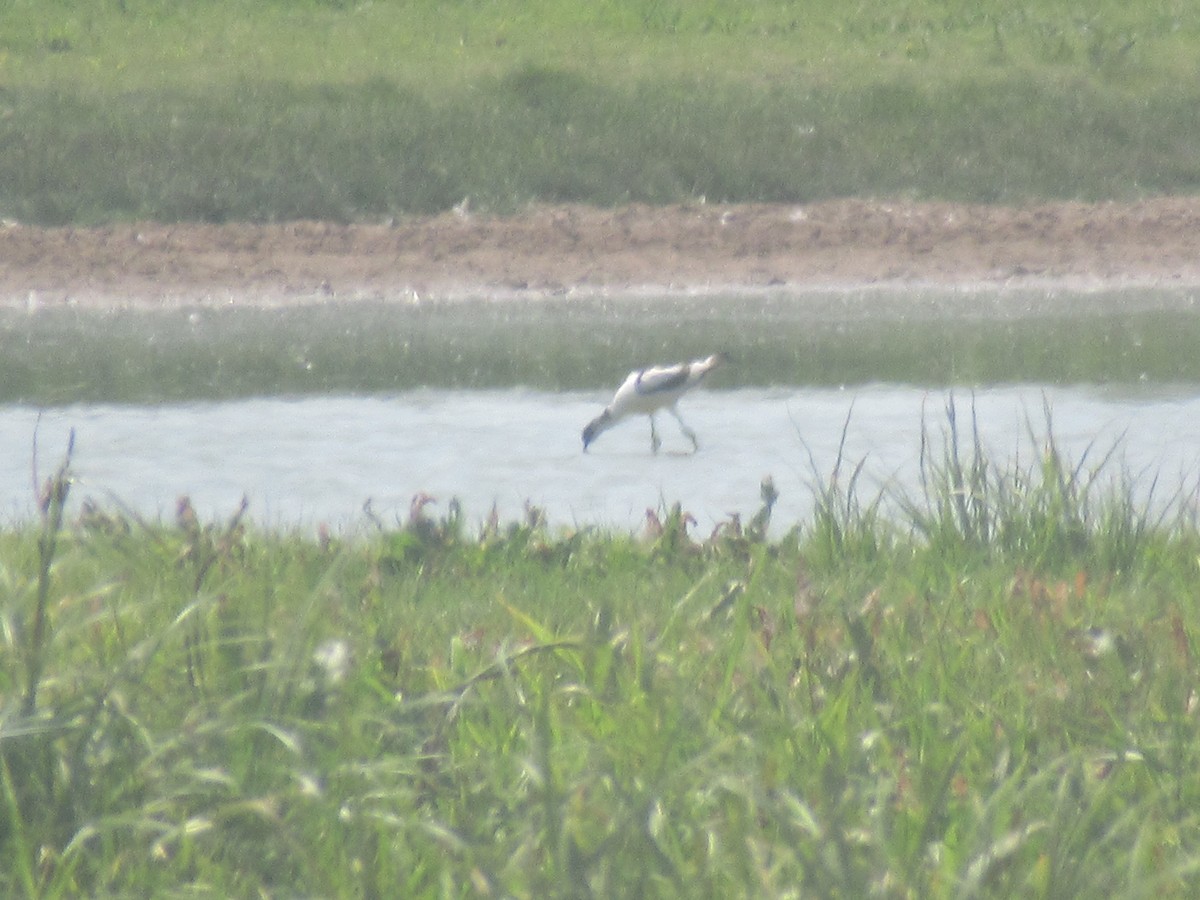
column 574, row 251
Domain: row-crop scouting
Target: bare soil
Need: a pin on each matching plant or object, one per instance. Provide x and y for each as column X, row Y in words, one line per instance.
column 557, row 251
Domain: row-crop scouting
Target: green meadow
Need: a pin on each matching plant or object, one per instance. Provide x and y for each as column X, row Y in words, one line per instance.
column 281, row 109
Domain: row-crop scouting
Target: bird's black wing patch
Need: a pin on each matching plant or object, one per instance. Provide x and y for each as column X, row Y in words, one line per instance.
column 652, row 382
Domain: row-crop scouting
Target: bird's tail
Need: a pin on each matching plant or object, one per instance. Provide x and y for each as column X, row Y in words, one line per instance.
column 702, row 367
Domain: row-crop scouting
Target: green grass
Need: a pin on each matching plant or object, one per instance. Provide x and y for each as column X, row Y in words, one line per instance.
column 991, row 694
column 64, row 356
column 266, row 111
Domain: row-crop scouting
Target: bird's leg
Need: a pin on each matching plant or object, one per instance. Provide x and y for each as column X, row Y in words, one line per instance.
column 691, row 435
column 655, row 443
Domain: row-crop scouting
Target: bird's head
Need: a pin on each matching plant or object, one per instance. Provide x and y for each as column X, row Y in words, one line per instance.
column 593, row 428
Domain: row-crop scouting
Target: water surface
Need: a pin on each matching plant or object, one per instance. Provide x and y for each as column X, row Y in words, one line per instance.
column 304, row 461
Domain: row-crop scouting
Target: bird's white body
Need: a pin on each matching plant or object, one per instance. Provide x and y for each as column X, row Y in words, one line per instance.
column 646, row 391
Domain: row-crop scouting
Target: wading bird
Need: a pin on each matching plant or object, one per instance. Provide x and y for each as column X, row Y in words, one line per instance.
column 646, row 391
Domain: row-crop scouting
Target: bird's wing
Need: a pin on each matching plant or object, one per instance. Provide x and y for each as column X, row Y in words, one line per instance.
column 661, row 379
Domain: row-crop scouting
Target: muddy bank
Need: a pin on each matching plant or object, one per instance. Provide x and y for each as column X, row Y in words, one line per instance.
column 572, row 250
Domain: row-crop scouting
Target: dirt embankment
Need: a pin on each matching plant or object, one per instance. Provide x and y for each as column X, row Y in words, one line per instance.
column 572, row 250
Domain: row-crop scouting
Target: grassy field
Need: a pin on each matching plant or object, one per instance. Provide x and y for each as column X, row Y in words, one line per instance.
column 69, row 356
column 992, row 696
column 269, row 110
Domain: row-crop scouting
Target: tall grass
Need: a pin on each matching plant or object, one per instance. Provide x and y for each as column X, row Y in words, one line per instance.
column 63, row 356
column 272, row 111
column 277, row 152
column 525, row 712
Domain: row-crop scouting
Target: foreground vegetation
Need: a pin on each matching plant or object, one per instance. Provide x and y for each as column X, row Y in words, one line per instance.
column 992, row 693
column 270, row 110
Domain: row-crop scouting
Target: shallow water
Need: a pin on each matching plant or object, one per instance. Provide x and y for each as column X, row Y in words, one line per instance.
column 315, row 460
